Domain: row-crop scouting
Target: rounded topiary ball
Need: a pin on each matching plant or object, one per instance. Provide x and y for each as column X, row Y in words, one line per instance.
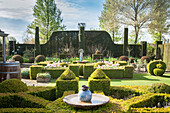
column 40, row 58
column 159, row 88
column 98, row 74
column 145, row 58
column 67, row 75
column 18, row 58
column 12, row 86
column 158, row 72
column 123, row 58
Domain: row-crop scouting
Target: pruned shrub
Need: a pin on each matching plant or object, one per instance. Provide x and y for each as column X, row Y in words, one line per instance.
column 39, row 58
column 98, row 81
column 12, row 86
column 153, row 64
column 145, row 58
column 159, row 88
column 66, row 82
column 67, row 75
column 98, row 74
column 18, row 58
column 123, row 58
column 158, row 72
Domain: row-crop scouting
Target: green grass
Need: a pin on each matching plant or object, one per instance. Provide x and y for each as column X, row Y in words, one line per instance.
column 138, row 79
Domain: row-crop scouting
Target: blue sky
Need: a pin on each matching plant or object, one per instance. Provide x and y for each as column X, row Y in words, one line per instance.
column 15, row 15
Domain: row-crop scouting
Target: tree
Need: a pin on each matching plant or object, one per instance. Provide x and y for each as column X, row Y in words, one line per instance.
column 108, row 22
column 135, row 13
column 47, row 18
column 159, row 24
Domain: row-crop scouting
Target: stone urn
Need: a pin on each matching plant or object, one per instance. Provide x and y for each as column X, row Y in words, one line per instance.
column 85, row 94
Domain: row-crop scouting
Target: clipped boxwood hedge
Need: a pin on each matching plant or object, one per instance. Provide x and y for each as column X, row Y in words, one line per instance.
column 122, row 63
column 152, row 65
column 98, row 81
column 75, row 69
column 128, row 71
column 54, row 72
column 21, row 100
column 66, row 85
column 34, row 70
column 67, row 81
column 150, row 110
column 13, row 86
column 145, row 100
column 122, row 92
column 114, row 73
column 88, row 70
column 48, row 93
column 24, row 110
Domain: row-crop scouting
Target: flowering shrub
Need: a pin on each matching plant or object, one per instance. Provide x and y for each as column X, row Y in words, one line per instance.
column 54, row 65
column 109, row 65
column 44, row 75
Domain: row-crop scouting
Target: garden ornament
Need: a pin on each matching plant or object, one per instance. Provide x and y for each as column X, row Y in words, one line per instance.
column 81, row 51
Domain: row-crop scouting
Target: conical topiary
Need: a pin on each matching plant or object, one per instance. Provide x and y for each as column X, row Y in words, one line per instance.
column 98, row 74
column 67, row 75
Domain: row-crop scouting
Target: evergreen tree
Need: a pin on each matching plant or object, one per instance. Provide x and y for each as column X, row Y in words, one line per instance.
column 47, row 18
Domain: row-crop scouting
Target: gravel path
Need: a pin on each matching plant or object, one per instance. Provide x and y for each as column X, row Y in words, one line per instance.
column 34, row 83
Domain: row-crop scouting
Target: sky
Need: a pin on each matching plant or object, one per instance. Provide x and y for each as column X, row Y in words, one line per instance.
column 16, row 15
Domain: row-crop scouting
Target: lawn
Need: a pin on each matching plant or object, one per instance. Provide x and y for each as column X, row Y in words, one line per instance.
column 138, row 79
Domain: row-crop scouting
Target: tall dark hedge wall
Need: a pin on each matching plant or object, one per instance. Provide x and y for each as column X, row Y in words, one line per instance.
column 59, row 39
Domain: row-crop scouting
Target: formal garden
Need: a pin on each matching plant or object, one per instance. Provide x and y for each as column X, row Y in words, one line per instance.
column 74, row 71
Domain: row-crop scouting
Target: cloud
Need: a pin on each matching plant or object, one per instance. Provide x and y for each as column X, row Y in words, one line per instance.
column 17, row 9
column 74, row 13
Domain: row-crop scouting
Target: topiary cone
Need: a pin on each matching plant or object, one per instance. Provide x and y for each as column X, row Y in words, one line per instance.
column 67, row 75
column 98, row 74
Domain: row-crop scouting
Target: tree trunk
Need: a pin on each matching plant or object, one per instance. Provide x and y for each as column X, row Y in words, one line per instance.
column 113, row 36
column 136, row 34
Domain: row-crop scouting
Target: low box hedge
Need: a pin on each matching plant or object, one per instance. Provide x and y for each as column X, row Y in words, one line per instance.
column 48, row 93
column 66, row 85
column 128, row 71
column 45, row 63
column 34, row 69
column 113, row 73
column 75, row 69
column 24, row 110
column 21, row 100
column 88, row 70
column 54, row 72
column 122, row 63
column 150, row 110
column 145, row 100
column 122, row 92
column 99, row 85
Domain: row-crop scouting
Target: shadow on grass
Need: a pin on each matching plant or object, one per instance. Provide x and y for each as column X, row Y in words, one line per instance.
column 138, row 76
